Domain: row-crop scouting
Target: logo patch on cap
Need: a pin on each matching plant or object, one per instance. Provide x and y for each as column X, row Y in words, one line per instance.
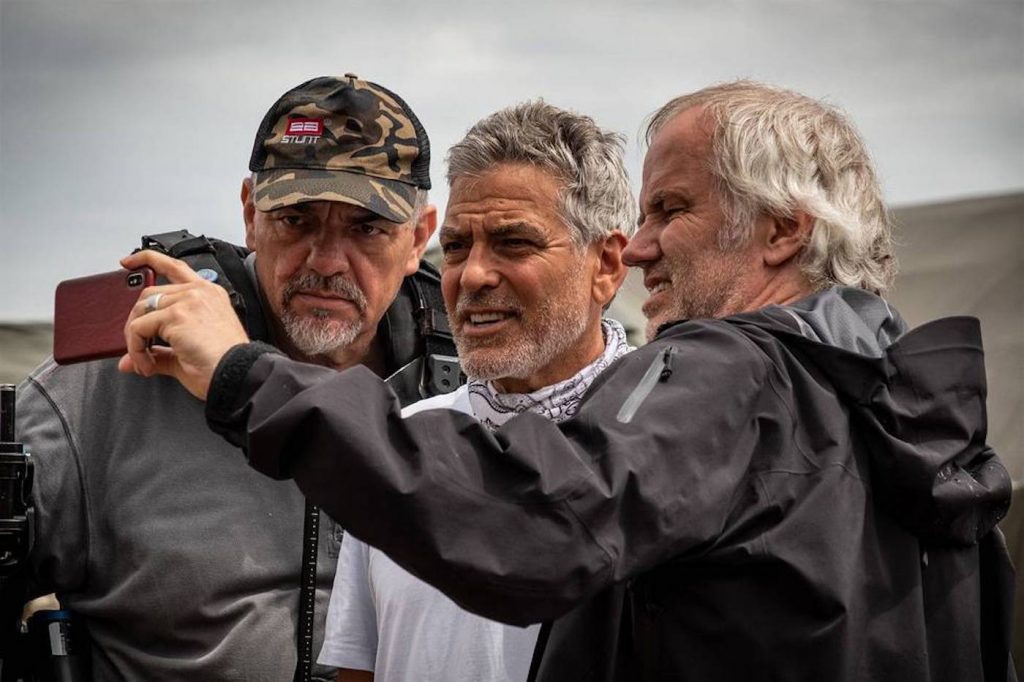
column 303, row 131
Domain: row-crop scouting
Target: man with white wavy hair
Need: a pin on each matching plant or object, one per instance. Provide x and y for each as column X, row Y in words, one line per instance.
column 732, row 161
column 784, row 484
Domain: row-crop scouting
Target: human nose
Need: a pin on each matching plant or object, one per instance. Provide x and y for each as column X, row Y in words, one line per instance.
column 642, row 247
column 328, row 252
column 478, row 271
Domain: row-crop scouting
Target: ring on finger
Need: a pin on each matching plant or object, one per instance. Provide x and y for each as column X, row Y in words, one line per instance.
column 152, row 303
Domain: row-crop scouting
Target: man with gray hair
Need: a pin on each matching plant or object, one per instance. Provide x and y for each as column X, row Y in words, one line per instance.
column 785, row 483
column 539, row 211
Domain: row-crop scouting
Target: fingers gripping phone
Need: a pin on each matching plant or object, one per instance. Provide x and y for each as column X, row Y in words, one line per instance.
column 90, row 313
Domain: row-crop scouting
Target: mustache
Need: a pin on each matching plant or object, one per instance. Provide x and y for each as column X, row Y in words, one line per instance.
column 485, row 299
column 334, row 284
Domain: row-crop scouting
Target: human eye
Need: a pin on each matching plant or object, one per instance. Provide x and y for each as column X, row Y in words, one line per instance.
column 518, row 243
column 519, row 240
column 453, row 249
column 675, row 206
column 368, row 229
column 292, row 220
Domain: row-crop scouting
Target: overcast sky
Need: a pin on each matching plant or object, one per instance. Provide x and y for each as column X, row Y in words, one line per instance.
column 119, row 119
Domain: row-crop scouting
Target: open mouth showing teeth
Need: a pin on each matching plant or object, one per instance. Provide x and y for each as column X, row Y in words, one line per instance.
column 659, row 287
column 486, row 319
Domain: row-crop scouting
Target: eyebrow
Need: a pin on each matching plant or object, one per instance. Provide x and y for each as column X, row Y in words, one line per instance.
column 365, row 215
column 659, row 197
column 359, row 214
column 304, row 209
column 449, row 232
column 655, row 199
column 452, row 232
column 518, row 228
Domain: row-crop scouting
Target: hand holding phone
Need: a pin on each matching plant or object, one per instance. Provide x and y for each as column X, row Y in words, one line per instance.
column 90, row 314
column 192, row 316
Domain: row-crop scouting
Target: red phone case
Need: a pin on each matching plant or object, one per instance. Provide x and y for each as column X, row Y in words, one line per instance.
column 90, row 312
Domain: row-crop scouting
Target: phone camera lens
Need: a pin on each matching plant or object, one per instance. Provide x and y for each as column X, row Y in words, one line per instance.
column 135, row 279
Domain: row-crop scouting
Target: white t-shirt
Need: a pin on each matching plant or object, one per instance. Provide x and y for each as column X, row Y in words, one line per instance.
column 383, row 619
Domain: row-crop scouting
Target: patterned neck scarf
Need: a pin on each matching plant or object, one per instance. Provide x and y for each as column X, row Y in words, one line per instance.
column 557, row 402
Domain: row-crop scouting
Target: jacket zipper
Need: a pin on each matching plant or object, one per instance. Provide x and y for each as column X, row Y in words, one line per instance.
column 660, row 370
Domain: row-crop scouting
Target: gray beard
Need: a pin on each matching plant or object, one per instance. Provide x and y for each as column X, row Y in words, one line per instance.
column 700, row 295
column 318, row 335
column 521, row 359
column 556, row 325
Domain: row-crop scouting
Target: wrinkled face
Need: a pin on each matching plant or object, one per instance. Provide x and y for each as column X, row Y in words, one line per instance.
column 329, row 270
column 686, row 272
column 517, row 289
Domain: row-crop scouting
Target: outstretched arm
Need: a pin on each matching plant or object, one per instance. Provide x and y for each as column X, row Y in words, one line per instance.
column 521, row 524
column 518, row 525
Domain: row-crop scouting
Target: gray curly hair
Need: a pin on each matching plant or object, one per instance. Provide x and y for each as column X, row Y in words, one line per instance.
column 596, row 197
column 775, row 151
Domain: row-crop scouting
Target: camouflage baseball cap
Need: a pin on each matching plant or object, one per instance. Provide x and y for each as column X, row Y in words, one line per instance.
column 341, row 139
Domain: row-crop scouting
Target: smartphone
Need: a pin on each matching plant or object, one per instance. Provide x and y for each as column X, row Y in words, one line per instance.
column 90, row 313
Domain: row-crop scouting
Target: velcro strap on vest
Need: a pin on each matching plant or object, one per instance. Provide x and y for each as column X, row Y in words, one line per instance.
column 227, row 263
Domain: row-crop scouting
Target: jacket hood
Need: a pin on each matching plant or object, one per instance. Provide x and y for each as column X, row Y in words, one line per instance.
column 917, row 400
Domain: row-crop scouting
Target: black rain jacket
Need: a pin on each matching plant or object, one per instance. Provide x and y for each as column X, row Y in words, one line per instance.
column 780, row 495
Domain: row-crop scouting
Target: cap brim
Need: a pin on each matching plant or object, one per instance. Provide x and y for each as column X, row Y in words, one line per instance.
column 390, row 199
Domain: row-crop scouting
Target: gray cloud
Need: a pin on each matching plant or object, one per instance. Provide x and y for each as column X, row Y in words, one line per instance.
column 121, row 118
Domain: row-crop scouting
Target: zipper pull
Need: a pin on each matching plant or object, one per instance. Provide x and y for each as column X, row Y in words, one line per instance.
column 659, row 370
column 666, row 359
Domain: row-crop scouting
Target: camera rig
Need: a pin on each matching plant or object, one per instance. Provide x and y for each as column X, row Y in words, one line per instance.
column 16, row 475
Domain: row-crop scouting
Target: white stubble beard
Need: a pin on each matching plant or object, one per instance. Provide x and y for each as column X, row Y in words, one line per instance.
column 554, row 326
column 698, row 292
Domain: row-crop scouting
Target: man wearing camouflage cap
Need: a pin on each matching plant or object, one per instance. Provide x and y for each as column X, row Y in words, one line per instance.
column 184, row 563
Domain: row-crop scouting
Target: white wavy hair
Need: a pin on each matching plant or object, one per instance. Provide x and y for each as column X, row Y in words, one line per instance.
column 596, row 197
column 775, row 151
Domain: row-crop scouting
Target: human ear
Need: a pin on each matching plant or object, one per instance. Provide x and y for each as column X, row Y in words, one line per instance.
column 248, row 213
column 610, row 271
column 786, row 237
column 421, row 233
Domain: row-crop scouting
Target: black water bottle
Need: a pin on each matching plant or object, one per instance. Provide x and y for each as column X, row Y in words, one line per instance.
column 59, row 647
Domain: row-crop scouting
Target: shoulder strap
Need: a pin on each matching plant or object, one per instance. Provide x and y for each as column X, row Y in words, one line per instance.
column 220, row 262
column 419, row 339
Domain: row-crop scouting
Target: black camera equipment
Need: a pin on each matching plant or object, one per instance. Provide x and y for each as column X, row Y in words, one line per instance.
column 15, row 536
column 53, row 649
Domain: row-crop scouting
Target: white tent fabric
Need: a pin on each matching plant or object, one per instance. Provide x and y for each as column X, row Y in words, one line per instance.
column 967, row 258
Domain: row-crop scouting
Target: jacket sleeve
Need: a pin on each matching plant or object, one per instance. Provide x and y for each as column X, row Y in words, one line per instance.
column 521, row 524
